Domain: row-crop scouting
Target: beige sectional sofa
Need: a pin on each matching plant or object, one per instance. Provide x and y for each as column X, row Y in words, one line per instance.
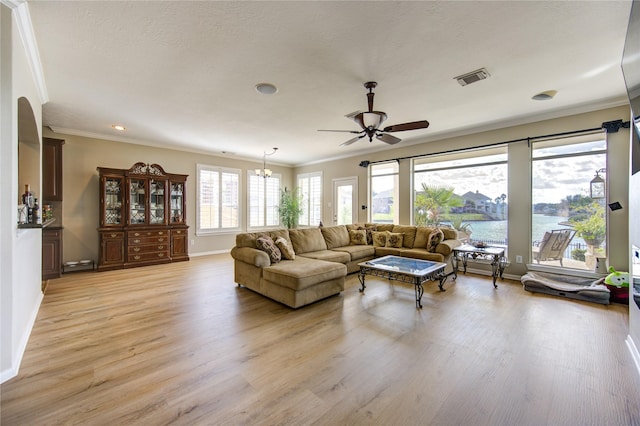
column 323, row 257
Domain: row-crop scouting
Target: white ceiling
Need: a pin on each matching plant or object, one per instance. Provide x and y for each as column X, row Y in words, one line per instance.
column 182, row 74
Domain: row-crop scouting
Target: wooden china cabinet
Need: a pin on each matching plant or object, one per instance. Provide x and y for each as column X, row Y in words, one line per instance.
column 142, row 217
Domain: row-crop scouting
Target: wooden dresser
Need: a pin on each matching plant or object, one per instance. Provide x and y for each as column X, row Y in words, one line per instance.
column 142, row 217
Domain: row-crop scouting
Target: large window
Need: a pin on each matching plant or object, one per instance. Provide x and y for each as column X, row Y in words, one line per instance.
column 568, row 226
column 310, row 185
column 384, row 193
column 465, row 190
column 264, row 199
column 218, row 208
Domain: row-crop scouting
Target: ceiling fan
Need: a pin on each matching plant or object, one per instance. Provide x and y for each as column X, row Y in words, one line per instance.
column 371, row 120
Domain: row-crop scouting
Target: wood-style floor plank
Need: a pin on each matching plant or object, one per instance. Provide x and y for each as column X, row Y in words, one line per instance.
column 183, row 344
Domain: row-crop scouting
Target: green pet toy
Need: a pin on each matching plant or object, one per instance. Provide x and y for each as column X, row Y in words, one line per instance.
column 616, row 278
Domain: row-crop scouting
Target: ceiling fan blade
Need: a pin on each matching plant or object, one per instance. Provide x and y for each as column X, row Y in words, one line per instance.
column 415, row 125
column 390, row 139
column 342, row 131
column 350, row 141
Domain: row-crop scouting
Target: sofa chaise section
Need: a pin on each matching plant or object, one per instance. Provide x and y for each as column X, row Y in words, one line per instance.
column 294, row 283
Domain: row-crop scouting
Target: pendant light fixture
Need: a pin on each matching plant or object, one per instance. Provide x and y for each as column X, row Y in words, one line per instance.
column 264, row 172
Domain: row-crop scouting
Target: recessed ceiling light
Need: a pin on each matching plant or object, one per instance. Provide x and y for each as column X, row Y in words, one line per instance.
column 118, row 127
column 545, row 96
column 266, row 88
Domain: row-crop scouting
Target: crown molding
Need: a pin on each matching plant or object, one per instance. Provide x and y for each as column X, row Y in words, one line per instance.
column 20, row 10
column 133, row 141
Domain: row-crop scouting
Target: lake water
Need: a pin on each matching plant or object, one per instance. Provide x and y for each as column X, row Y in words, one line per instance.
column 496, row 230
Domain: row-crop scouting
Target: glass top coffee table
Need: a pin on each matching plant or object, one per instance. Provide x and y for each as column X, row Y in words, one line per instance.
column 404, row 269
column 494, row 254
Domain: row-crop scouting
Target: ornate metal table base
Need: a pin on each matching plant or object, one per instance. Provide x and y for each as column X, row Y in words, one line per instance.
column 417, row 281
column 494, row 254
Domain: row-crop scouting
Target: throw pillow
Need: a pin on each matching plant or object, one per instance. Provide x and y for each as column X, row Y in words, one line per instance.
column 394, row 239
column 267, row 245
column 357, row 237
column 285, row 249
column 379, row 239
column 435, row 237
column 370, row 229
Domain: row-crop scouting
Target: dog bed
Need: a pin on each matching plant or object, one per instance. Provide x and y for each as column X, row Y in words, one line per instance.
column 567, row 286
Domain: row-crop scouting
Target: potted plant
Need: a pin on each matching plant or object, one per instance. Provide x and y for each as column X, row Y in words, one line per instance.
column 592, row 230
column 290, row 207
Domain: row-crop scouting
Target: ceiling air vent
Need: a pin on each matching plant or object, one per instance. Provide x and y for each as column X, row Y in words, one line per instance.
column 472, row 77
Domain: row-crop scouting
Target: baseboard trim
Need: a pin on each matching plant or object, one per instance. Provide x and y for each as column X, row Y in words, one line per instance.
column 22, row 346
column 207, row 253
column 488, row 274
column 633, row 349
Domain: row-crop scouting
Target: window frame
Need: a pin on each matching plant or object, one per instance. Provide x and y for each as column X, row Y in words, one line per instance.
column 467, row 158
column 564, row 142
column 396, row 189
column 220, row 170
column 310, row 203
column 250, row 176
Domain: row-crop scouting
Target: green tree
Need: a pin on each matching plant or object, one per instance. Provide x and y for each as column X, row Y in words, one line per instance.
column 578, row 207
column 432, row 202
column 290, row 207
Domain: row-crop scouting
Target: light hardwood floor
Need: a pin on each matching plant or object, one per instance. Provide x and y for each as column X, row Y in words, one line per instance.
column 182, row 344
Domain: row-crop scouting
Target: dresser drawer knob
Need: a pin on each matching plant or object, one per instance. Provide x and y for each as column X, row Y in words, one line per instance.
column 113, row 235
column 160, row 240
column 136, row 257
column 160, row 254
column 160, row 247
column 136, row 241
column 160, row 233
column 136, row 249
column 178, row 232
column 137, row 234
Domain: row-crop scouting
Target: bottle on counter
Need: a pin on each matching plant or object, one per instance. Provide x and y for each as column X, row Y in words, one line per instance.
column 27, row 200
column 34, row 211
column 27, row 197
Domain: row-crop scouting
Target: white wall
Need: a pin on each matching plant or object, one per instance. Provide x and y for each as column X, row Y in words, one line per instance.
column 634, row 238
column 21, row 264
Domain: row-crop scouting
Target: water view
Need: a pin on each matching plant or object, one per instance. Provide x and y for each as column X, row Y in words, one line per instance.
column 496, row 230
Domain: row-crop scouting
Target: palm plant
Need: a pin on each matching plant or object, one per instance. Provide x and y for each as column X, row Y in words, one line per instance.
column 290, row 207
column 434, row 201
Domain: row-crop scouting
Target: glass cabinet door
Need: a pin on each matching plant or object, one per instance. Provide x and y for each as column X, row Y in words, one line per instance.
column 137, row 202
column 156, row 202
column 177, row 202
column 112, row 200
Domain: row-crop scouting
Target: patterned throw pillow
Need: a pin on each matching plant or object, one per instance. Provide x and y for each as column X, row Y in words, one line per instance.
column 267, row 245
column 394, row 239
column 370, row 229
column 285, row 248
column 435, row 237
column 358, row 237
column 379, row 238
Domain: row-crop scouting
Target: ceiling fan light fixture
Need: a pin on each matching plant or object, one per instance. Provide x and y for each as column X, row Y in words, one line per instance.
column 266, row 88
column 370, row 120
column 544, row 96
